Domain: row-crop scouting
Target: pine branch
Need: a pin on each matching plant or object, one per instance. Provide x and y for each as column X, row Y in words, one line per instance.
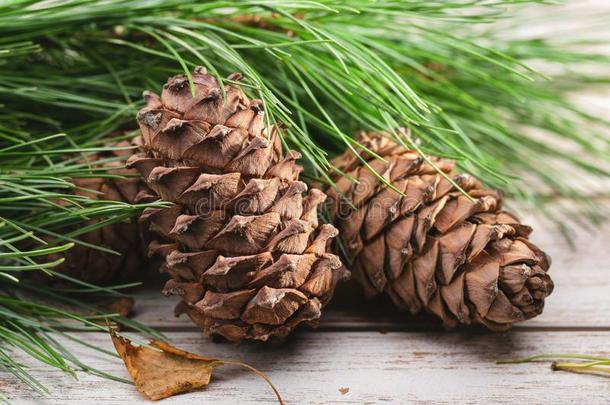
column 468, row 96
column 41, row 216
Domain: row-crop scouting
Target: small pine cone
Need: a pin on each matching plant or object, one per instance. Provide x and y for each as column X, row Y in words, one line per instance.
column 242, row 245
column 95, row 266
column 434, row 248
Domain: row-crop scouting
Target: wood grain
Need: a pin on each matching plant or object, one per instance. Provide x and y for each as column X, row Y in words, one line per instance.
column 396, row 367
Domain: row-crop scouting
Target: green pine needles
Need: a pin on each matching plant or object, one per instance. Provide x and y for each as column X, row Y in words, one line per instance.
column 565, row 362
column 40, row 216
column 454, row 72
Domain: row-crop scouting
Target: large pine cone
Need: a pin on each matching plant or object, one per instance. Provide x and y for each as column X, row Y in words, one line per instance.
column 95, row 266
column 242, row 245
column 463, row 259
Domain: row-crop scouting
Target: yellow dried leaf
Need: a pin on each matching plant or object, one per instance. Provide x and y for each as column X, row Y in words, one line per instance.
column 168, row 370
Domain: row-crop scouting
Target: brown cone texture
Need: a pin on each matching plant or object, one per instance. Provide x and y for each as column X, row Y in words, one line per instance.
column 95, row 266
column 434, row 249
column 242, row 245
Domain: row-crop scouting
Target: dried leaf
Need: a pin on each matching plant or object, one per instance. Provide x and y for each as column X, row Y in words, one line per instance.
column 161, row 370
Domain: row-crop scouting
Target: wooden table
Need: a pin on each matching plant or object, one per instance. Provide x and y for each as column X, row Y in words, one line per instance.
column 368, row 353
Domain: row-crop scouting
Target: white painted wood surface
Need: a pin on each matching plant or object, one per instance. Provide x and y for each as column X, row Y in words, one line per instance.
column 385, row 358
column 393, row 368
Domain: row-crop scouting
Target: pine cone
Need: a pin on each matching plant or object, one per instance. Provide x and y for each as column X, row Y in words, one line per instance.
column 92, row 265
column 434, row 248
column 242, row 245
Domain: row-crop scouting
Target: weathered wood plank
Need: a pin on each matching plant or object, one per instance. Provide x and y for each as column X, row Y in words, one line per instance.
column 581, row 298
column 397, row 367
